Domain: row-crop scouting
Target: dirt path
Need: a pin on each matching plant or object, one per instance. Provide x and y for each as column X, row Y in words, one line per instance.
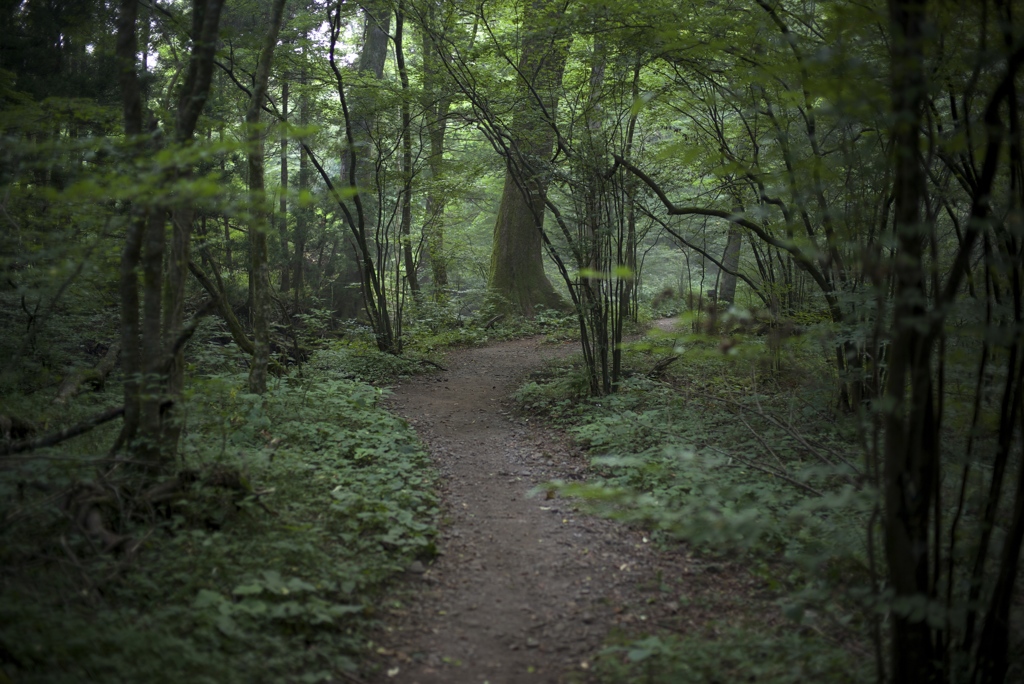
column 526, row 589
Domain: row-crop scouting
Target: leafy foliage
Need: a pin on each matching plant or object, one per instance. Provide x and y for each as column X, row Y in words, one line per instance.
column 737, row 655
column 709, row 455
column 274, row 581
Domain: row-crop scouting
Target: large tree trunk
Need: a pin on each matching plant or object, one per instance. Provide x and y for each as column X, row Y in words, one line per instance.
column 517, row 264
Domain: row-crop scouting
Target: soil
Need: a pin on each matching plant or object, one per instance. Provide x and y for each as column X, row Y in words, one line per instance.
column 527, row 588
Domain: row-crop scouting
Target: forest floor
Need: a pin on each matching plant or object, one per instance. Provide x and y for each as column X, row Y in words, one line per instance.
column 526, row 587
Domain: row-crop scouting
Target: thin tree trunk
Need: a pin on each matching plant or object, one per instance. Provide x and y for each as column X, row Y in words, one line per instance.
column 911, row 450
column 262, row 217
column 131, row 255
column 282, row 225
column 405, row 229
column 302, row 214
column 436, row 103
column 360, row 104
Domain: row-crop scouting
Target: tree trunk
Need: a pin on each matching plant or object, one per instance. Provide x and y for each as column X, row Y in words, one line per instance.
column 517, row 275
column 730, row 265
column 302, row 214
column 405, row 229
column 131, row 254
column 437, row 99
column 911, row 448
column 260, row 225
column 361, row 105
column 282, row 225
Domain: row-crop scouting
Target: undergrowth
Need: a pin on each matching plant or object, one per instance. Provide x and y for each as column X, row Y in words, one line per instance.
column 733, row 452
column 736, row 655
column 274, row 580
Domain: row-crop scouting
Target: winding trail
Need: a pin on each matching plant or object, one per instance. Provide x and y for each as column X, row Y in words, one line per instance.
column 526, row 589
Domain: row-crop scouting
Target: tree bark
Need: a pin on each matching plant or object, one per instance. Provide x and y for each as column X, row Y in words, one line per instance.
column 405, row 229
column 437, row 98
column 911, row 449
column 261, row 212
column 730, row 265
column 282, row 219
column 517, row 264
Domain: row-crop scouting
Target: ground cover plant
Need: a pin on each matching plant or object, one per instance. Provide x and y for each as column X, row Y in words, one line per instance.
column 736, row 449
column 399, row 174
column 288, row 514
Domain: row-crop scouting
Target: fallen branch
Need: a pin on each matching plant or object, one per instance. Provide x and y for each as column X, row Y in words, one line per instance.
column 660, row 366
column 12, row 427
column 73, row 382
column 219, row 300
column 218, row 295
column 67, row 433
column 774, row 472
column 186, row 333
column 428, row 362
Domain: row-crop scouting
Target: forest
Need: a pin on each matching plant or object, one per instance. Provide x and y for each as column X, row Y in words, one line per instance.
column 767, row 254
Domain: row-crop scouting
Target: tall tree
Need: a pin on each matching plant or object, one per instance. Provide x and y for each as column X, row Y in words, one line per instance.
column 152, row 338
column 362, row 217
column 437, row 99
column 405, row 229
column 517, row 264
column 261, row 211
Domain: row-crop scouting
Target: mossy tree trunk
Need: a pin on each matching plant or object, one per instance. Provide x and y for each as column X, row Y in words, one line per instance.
column 517, row 277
